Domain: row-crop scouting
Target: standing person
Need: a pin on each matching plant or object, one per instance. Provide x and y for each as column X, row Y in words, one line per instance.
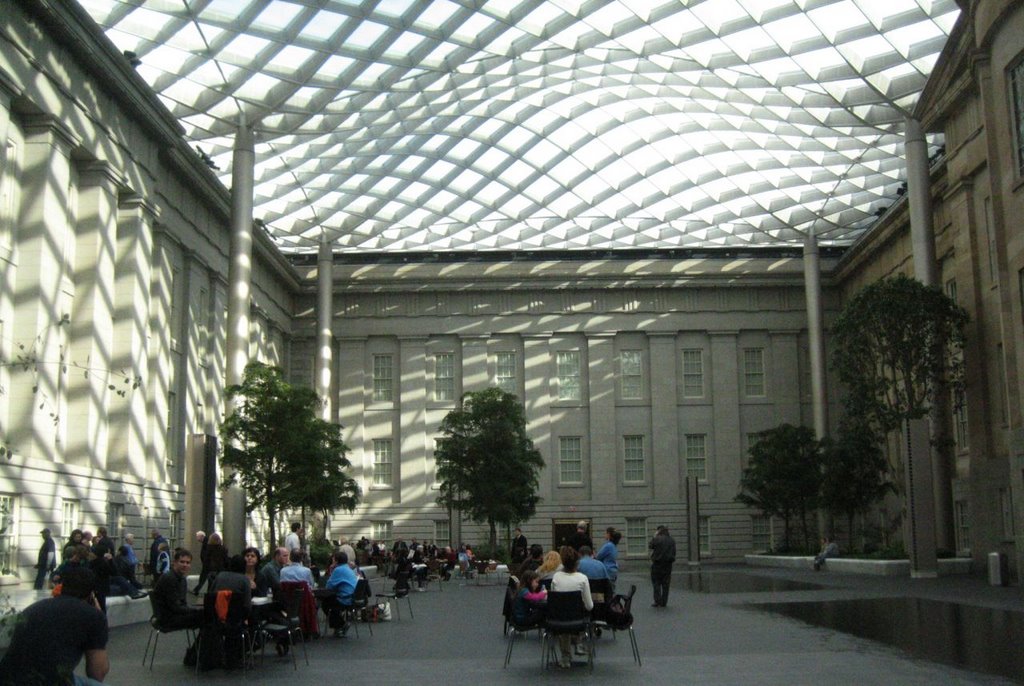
column 130, row 555
column 293, row 541
column 102, row 564
column 580, row 538
column 46, row 561
column 154, row 553
column 74, row 540
column 519, row 547
column 204, row 573
column 52, row 635
column 214, row 563
column 663, row 554
column 608, row 555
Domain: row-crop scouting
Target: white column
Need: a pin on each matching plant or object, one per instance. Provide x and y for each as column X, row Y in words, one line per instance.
column 92, row 318
column 325, row 322
column 665, row 449
column 816, row 336
column 921, row 500
column 919, row 196
column 239, row 287
column 44, row 232
column 605, row 443
column 129, row 422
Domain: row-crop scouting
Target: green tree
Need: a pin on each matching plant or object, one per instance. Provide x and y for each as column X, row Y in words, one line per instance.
column 892, row 344
column 853, row 473
column 898, row 349
column 279, row 451
column 784, row 475
column 487, row 466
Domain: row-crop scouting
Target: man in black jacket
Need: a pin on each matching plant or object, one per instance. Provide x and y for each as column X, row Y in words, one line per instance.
column 46, row 562
column 663, row 554
column 169, row 596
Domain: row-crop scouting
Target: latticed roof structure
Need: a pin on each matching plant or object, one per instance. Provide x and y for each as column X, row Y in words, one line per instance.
column 442, row 125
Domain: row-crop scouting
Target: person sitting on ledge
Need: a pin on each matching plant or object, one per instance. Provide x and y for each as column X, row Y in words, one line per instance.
column 829, row 548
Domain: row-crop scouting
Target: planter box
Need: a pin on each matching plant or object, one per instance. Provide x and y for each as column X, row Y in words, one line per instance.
column 779, row 561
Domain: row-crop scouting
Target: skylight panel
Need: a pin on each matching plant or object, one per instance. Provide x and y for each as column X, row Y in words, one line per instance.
column 366, row 35
column 404, row 46
column 324, row 25
column 368, row 77
column 536, row 22
column 289, row 59
column 277, row 16
column 393, row 8
column 469, row 31
column 715, row 15
column 834, row 18
column 243, row 49
column 437, row 58
column 436, row 14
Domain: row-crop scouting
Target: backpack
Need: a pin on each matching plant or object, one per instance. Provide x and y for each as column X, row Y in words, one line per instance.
column 617, row 616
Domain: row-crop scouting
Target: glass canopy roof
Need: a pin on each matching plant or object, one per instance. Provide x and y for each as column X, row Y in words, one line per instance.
column 410, row 125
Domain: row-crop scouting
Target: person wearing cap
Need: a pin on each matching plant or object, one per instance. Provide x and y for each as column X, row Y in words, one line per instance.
column 46, row 562
column 663, row 554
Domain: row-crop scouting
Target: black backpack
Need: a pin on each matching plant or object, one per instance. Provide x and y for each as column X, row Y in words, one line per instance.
column 618, row 615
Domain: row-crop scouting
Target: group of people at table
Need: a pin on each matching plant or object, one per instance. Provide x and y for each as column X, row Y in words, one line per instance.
column 568, row 569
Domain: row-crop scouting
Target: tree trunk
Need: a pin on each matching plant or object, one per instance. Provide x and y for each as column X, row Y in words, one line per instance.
column 493, row 536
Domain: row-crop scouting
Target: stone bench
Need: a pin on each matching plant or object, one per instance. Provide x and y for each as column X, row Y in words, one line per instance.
column 852, row 565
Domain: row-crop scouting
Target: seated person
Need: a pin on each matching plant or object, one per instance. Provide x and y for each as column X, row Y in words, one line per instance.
column 296, row 571
column 569, row 579
column 588, row 566
column 528, row 609
column 52, row 635
column 552, row 563
column 535, row 559
column 419, row 567
column 169, row 596
column 269, row 580
column 343, row 583
column 233, row 579
column 829, row 548
column 125, row 566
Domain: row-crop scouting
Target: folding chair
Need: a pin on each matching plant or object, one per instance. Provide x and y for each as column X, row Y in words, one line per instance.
column 620, row 621
column 156, row 630
column 400, row 590
column 566, row 614
column 285, row 628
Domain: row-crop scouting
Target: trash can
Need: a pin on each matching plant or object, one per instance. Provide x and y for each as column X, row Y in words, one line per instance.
column 998, row 569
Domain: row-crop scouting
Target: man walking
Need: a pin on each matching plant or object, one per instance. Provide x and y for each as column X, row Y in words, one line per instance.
column 46, row 562
column 663, row 554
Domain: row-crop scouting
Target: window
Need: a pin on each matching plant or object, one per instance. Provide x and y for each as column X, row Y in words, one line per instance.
column 1003, row 387
column 704, row 535
column 175, row 528
column 382, row 532
column 1017, row 94
column 568, row 363
column 696, row 456
column 174, row 315
column 8, row 192
column 631, row 375
column 115, row 520
column 505, row 371
column 1006, row 511
column 69, row 520
column 960, row 419
column 693, row 373
column 570, row 460
column 444, row 377
column 170, row 442
column 8, row 538
column 753, row 371
column 442, row 533
column 382, row 378
column 202, row 325
column 761, row 533
column 962, row 526
column 633, row 459
column 636, row 536
column 436, row 483
column 382, row 464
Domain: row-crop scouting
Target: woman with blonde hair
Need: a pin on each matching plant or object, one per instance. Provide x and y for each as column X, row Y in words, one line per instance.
column 551, row 564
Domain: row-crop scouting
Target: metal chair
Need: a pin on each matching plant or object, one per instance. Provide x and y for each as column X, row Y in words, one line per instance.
column 566, row 614
column 285, row 628
column 615, row 624
column 155, row 631
column 400, row 590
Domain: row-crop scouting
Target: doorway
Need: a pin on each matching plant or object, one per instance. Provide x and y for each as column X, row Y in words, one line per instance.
column 562, row 529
